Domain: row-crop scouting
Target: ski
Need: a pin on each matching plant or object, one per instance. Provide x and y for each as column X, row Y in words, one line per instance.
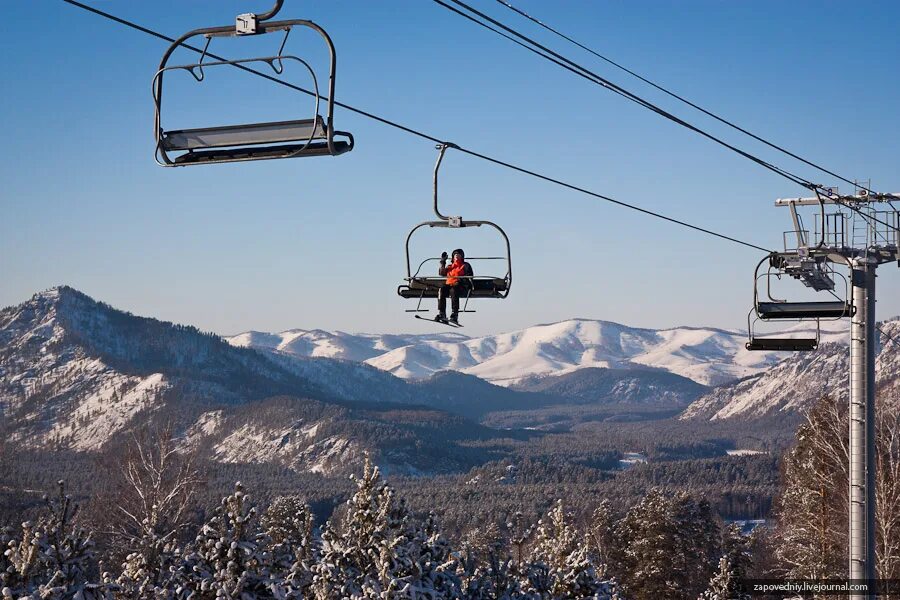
column 447, row 323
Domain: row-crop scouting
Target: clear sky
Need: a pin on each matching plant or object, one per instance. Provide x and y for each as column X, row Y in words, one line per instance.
column 318, row 242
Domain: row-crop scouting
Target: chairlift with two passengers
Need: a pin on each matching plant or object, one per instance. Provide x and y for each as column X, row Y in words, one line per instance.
column 252, row 141
column 814, row 271
column 420, row 286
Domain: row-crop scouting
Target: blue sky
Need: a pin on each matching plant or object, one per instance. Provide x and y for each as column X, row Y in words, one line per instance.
column 310, row 243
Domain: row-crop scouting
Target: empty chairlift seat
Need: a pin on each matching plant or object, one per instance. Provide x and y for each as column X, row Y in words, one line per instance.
column 314, row 136
column 783, row 344
column 306, row 137
column 803, row 310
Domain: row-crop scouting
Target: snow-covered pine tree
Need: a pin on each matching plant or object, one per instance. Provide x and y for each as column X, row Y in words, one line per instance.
column 667, row 543
column 288, row 523
column 647, row 545
column 720, row 586
column 418, row 561
column 349, row 549
column 486, row 568
column 699, row 540
column 52, row 558
column 601, row 534
column 560, row 563
column 521, row 533
column 379, row 551
column 21, row 561
column 228, row 559
column 736, row 548
column 6, row 536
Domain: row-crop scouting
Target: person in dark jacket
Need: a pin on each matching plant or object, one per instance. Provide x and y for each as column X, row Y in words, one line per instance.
column 458, row 274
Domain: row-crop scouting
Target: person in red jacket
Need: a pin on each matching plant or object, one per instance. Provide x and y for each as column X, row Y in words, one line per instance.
column 458, row 274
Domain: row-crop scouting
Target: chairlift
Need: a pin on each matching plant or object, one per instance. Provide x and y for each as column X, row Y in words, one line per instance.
column 420, row 287
column 800, row 266
column 252, row 141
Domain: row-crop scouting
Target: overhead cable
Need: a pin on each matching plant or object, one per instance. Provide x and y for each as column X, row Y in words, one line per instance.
column 552, row 56
column 423, row 135
column 680, row 98
column 585, row 73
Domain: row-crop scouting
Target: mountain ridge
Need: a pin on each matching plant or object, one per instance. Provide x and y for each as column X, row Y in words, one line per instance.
column 75, row 373
column 707, row 355
column 78, row 374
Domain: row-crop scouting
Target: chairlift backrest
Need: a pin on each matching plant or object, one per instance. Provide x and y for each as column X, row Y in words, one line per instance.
column 253, row 141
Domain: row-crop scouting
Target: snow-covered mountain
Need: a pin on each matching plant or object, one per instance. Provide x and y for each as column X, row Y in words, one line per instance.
column 708, row 356
column 77, row 374
column 337, row 344
column 592, row 385
column 74, row 372
column 796, row 383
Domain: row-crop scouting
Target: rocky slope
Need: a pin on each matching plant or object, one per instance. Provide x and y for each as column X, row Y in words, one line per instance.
column 77, row 374
column 793, row 385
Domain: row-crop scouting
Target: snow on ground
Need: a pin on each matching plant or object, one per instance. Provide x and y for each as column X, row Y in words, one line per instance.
column 329, row 454
column 207, row 424
column 255, row 339
column 789, row 386
column 630, row 459
column 335, row 344
column 744, row 452
column 109, row 409
column 256, row 443
column 798, row 381
column 295, row 446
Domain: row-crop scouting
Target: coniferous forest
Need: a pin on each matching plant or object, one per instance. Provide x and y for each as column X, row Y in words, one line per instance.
column 151, row 520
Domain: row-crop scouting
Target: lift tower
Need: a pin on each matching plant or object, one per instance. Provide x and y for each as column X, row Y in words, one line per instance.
column 861, row 232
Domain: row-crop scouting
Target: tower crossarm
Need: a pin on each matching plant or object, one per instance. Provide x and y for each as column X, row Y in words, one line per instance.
column 838, row 199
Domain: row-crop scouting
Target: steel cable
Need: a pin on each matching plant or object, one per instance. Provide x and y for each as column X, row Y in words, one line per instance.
column 426, row 136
